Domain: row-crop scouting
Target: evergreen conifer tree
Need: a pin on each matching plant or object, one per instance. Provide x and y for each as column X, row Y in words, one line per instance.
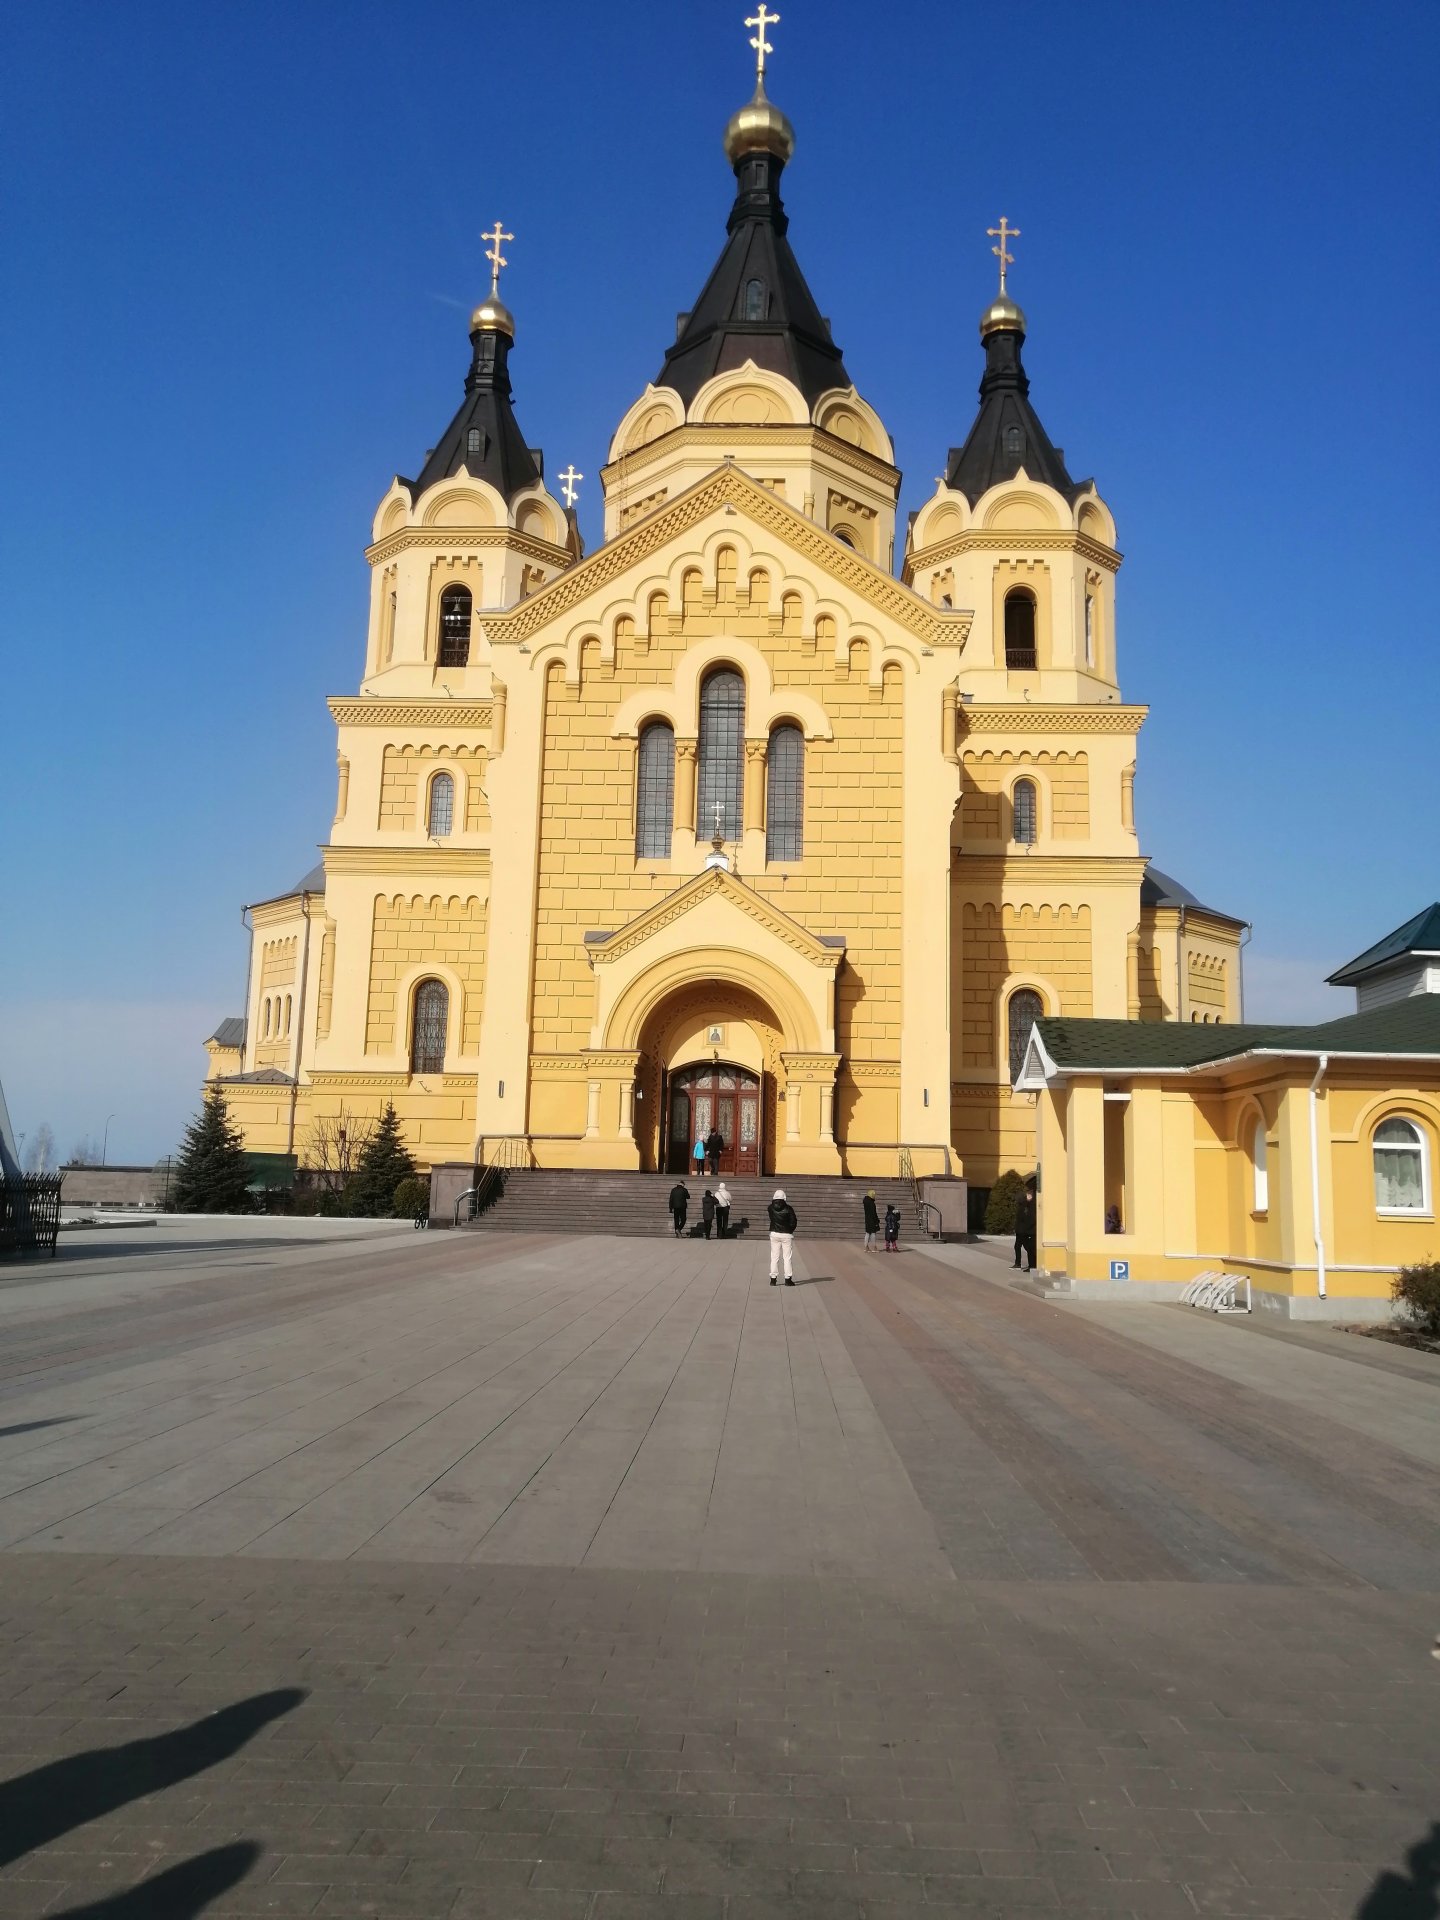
column 212, row 1173
column 384, row 1162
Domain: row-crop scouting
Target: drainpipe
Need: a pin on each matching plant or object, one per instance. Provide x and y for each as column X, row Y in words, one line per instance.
column 249, row 963
column 299, row 1022
column 1180, row 965
column 1249, row 936
column 1315, row 1174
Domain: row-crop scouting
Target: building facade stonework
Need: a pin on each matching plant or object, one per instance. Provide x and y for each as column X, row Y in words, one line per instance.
column 769, row 815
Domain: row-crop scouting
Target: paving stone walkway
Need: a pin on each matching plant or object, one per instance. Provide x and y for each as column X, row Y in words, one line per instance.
column 434, row 1575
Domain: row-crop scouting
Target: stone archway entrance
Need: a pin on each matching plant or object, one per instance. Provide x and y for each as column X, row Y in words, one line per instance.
column 721, row 1095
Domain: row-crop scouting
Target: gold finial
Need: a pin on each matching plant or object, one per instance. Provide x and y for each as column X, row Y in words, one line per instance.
column 1002, row 233
column 567, row 484
column 763, row 19
column 497, row 260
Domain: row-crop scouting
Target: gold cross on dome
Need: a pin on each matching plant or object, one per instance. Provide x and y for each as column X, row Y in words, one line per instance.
column 567, row 484
column 1002, row 233
column 763, row 19
column 497, row 236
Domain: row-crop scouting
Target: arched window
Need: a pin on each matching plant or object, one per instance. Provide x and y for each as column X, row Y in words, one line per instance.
column 1026, row 813
column 722, row 756
column 474, row 441
column 1014, row 442
column 785, row 795
column 1402, row 1176
column 432, row 1017
column 265, row 1028
column 455, row 627
column 755, row 302
column 440, row 815
column 1026, row 1007
column 288, row 1010
column 655, row 792
column 1089, row 629
column 1020, row 630
column 1259, row 1160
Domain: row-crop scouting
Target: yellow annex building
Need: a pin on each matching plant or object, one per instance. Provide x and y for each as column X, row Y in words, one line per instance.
column 768, row 815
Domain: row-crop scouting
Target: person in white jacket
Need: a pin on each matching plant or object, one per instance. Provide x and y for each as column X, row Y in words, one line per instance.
column 722, row 1211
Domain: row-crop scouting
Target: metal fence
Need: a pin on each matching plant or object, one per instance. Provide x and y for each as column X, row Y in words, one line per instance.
column 30, row 1213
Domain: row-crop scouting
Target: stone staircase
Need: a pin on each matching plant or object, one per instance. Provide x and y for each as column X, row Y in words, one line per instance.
column 634, row 1205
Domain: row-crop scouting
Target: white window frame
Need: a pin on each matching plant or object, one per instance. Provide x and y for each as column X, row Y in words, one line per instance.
column 1422, row 1147
column 1260, row 1165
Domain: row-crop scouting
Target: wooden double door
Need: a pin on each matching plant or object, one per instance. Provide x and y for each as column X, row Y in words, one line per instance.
column 716, row 1096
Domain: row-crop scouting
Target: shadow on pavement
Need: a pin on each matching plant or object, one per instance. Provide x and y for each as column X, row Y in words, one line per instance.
column 32, row 1426
column 1412, row 1896
column 37, row 1808
column 179, row 1892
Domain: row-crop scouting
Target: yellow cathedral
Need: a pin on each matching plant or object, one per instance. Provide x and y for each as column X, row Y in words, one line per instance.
column 768, row 816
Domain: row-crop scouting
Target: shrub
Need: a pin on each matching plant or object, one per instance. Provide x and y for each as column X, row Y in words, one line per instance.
column 1417, row 1289
column 412, row 1198
column 1004, row 1198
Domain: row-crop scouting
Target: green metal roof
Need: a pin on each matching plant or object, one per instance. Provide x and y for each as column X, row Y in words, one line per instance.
column 1420, row 935
column 1406, row 1029
column 1138, row 1044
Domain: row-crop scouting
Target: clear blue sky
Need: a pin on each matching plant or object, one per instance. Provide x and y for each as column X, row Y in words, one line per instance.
column 240, row 243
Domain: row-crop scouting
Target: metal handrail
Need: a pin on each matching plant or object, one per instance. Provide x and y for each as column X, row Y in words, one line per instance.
column 928, row 1207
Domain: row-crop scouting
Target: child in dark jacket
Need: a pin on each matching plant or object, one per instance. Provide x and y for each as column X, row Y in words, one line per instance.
column 892, row 1228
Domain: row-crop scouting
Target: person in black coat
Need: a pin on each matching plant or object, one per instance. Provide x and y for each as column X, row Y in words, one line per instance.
column 892, row 1229
column 707, row 1212
column 679, row 1206
column 714, row 1146
column 1025, row 1224
column 872, row 1222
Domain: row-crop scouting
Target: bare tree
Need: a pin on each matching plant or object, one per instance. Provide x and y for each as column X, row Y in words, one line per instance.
column 332, row 1148
column 85, row 1153
column 40, row 1150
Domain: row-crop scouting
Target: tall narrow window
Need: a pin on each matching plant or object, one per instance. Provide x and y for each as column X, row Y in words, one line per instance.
column 432, row 1017
column 455, row 627
column 1026, row 813
column 785, row 795
column 1020, row 630
column 755, row 302
column 1026, row 1007
column 720, row 807
column 440, row 816
column 288, row 1009
column 1089, row 629
column 473, row 441
column 655, row 792
column 1260, row 1162
column 265, row 1030
column 1401, row 1182
column 1014, row 442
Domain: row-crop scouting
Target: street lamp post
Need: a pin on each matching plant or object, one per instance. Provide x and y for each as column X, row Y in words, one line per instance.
column 105, row 1143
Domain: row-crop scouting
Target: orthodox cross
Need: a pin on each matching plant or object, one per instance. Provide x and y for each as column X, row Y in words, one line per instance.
column 1002, row 233
column 763, row 19
column 497, row 260
column 567, row 484
column 720, row 807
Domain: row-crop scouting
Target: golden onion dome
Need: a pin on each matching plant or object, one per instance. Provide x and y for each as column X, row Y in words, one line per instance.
column 1001, row 316
column 759, row 127
column 493, row 316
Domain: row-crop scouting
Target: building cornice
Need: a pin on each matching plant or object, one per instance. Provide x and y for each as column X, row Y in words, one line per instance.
column 1016, row 539
column 679, row 440
column 422, row 862
column 1033, row 718
column 443, row 715
column 466, row 537
column 1074, row 869
column 728, row 486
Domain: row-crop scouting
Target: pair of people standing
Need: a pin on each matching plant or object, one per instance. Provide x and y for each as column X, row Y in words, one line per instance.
column 710, row 1148
column 714, row 1209
column 872, row 1225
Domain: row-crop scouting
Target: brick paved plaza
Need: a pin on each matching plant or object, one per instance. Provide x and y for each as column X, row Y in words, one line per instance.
column 419, row 1575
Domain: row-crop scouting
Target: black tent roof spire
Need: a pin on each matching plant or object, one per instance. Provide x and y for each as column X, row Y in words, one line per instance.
column 1007, row 434
column 484, row 437
column 756, row 304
